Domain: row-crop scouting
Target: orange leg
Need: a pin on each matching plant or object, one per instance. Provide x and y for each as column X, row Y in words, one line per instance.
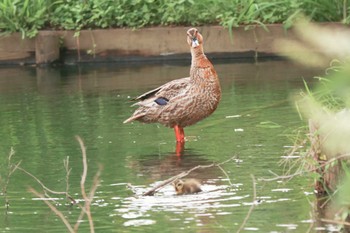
column 179, row 150
column 180, row 140
column 179, row 133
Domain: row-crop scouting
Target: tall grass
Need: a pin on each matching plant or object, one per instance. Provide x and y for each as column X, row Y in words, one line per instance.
column 29, row 16
column 323, row 149
column 25, row 16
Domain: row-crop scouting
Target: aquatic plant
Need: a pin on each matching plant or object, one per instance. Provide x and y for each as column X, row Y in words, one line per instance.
column 323, row 145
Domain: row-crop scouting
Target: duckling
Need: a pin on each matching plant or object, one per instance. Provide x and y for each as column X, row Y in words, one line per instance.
column 187, row 186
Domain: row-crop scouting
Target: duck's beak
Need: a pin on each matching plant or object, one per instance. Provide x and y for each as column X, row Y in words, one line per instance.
column 192, row 36
column 195, row 42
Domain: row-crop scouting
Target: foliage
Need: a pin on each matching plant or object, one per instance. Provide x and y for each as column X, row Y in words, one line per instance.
column 280, row 11
column 323, row 147
column 333, row 89
column 23, row 15
column 28, row 17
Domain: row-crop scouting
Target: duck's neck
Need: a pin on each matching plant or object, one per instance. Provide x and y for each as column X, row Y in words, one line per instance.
column 198, row 57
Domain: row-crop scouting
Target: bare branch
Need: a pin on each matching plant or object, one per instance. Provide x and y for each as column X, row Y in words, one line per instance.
column 10, row 170
column 43, row 186
column 85, row 167
column 95, row 183
column 54, row 209
column 68, row 170
column 89, row 198
column 84, row 211
column 227, row 176
column 251, row 207
column 335, row 222
column 12, row 152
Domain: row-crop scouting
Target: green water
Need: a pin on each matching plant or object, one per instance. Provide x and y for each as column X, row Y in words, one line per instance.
column 42, row 110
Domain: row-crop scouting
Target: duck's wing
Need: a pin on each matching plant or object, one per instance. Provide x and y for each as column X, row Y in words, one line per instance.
column 158, row 97
column 164, row 92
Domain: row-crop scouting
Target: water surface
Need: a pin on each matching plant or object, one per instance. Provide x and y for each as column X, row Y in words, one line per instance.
column 43, row 109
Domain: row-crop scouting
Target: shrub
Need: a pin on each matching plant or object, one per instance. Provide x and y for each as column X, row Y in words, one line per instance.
column 29, row 16
column 23, row 16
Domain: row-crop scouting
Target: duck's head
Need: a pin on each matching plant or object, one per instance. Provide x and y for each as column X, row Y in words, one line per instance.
column 194, row 38
column 178, row 184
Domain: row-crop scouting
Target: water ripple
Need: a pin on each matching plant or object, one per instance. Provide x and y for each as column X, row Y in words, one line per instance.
column 213, row 200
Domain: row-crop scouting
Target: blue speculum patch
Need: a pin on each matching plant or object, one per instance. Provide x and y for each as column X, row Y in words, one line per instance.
column 161, row 101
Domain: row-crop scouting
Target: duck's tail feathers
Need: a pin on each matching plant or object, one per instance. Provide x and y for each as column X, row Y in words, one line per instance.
column 134, row 117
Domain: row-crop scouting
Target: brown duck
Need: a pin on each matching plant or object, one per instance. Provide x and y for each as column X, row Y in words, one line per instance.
column 182, row 102
column 187, row 186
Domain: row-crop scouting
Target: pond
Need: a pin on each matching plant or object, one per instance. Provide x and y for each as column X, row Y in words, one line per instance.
column 42, row 110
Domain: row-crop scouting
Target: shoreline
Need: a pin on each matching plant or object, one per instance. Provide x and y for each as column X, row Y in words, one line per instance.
column 144, row 44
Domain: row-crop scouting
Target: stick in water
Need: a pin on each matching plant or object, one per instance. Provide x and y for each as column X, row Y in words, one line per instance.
column 183, row 174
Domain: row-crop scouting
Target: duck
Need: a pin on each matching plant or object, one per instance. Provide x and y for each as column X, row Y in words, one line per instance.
column 182, row 102
column 188, row 186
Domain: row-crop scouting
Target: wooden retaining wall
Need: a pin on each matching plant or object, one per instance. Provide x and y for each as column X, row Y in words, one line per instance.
column 155, row 43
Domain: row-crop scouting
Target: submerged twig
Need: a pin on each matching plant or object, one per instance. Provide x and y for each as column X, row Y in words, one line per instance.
column 183, row 174
column 251, row 207
column 83, row 176
column 13, row 167
column 54, row 209
column 84, row 210
column 68, row 170
column 46, row 189
column 87, row 198
column 10, row 170
column 227, row 176
column 335, row 222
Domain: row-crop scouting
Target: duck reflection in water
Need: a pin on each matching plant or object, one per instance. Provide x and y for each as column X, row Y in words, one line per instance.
column 182, row 102
column 161, row 167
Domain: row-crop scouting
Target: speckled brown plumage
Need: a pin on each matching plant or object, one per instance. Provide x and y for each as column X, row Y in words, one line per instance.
column 182, row 102
column 187, row 186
